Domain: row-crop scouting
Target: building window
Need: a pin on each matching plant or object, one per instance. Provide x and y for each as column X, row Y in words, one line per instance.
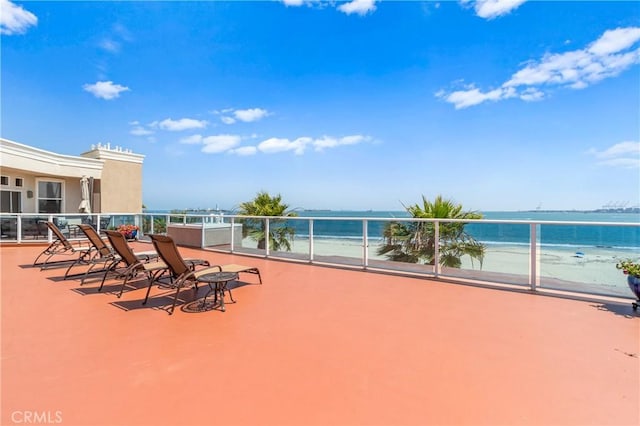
column 19, row 182
column 50, row 196
column 4, row 180
column 10, row 202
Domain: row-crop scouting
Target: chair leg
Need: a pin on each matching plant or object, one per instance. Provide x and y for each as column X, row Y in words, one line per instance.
column 43, row 265
column 175, row 300
column 51, row 250
column 104, row 277
column 124, row 283
column 66, row 274
column 148, row 291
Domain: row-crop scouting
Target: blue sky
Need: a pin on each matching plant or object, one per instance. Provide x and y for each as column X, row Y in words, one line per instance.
column 499, row 105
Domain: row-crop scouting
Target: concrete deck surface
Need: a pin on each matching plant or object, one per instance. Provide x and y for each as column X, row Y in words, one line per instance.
column 311, row 346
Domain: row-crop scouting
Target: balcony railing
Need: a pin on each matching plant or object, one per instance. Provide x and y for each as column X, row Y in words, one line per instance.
column 559, row 255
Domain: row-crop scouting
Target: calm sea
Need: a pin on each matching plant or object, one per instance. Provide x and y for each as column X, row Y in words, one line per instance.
column 499, row 233
column 623, row 237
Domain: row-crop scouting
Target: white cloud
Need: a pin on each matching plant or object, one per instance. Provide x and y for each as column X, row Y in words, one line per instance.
column 230, row 144
column 473, row 96
column 490, row 9
column 623, row 154
column 110, row 45
column 246, row 115
column 219, row 143
column 613, row 41
column 190, row 140
column 252, row 114
column 14, row 19
column 140, row 131
column 531, row 94
column 329, row 142
column 121, row 32
column 105, row 89
column 181, row 124
column 606, row 57
column 360, row 7
column 298, row 146
column 244, row 150
column 274, row 145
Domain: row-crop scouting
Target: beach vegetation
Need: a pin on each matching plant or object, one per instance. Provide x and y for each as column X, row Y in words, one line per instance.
column 280, row 234
column 415, row 242
column 159, row 224
column 629, row 267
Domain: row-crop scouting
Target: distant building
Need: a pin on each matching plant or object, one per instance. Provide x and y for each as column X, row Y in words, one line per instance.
column 103, row 179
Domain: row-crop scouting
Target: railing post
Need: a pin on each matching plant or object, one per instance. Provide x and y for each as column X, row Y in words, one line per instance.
column 365, row 243
column 436, row 248
column 533, row 259
column 266, row 237
column 166, row 227
column 311, row 240
column 19, row 229
column 233, row 233
column 49, row 233
column 152, row 224
column 137, row 220
column 203, row 234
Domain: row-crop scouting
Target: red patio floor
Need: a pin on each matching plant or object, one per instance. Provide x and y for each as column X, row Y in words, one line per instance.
column 312, row 346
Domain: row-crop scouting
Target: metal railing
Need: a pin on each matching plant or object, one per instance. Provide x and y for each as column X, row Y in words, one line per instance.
column 576, row 256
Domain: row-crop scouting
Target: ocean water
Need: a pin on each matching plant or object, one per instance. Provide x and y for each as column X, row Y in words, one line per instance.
column 604, row 236
column 570, row 236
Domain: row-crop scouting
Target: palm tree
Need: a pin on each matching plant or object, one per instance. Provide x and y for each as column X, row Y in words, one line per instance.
column 415, row 242
column 266, row 205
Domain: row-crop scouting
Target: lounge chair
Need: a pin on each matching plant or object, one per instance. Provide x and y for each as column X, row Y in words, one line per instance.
column 185, row 276
column 61, row 245
column 103, row 256
column 128, row 265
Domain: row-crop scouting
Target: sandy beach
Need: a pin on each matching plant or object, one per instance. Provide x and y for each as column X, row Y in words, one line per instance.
column 559, row 267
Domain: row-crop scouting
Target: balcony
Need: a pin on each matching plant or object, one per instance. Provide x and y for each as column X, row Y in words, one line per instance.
column 541, row 256
column 314, row 345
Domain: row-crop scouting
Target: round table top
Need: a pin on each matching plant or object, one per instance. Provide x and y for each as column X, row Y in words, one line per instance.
column 217, row 277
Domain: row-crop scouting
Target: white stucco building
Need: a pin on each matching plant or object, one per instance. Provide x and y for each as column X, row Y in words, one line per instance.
column 33, row 180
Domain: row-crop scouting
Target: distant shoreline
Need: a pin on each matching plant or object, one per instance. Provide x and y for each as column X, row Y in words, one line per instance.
column 631, row 210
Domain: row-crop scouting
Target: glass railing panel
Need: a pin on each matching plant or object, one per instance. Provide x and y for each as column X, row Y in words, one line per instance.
column 154, row 224
column 34, row 227
column 8, row 227
column 389, row 247
column 291, row 238
column 582, row 258
column 338, row 242
column 250, row 230
column 68, row 225
column 116, row 221
column 195, row 219
column 506, row 246
column 177, row 218
column 218, row 234
column 388, row 244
